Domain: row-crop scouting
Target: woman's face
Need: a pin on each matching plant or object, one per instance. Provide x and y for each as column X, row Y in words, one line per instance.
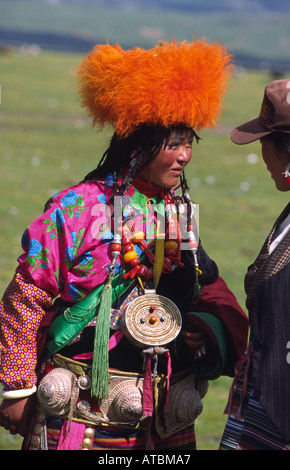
column 165, row 169
column 276, row 160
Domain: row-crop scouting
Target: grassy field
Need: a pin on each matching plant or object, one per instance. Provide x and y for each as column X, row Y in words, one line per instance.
column 263, row 35
column 47, row 144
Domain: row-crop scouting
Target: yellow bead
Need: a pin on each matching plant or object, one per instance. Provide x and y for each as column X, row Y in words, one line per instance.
column 129, row 256
column 170, row 245
column 138, row 236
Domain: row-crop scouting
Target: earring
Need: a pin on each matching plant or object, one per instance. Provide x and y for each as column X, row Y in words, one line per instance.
column 135, row 161
column 286, row 173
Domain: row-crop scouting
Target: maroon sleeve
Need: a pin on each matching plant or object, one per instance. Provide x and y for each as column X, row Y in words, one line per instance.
column 218, row 300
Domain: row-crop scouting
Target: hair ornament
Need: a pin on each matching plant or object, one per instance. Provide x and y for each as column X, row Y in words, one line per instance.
column 172, row 83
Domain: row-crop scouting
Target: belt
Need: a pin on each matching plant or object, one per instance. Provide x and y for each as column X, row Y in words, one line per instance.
column 70, row 381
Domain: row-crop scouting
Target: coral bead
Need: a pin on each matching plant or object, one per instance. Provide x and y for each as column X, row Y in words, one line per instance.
column 125, row 232
column 153, row 320
column 148, row 275
column 170, row 245
column 129, row 256
column 126, row 240
column 128, row 247
column 133, row 262
column 116, row 247
column 142, row 270
column 170, row 252
column 126, row 235
column 192, row 244
column 134, row 271
column 138, row 236
column 167, row 262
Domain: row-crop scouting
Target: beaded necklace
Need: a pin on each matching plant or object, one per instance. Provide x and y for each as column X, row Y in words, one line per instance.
column 167, row 246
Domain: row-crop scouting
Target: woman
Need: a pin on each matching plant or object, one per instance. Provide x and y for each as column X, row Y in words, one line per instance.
column 142, row 316
column 258, row 405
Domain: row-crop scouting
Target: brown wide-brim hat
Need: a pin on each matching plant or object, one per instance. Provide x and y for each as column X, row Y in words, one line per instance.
column 274, row 115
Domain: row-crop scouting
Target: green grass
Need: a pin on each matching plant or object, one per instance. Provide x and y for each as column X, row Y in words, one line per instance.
column 47, row 144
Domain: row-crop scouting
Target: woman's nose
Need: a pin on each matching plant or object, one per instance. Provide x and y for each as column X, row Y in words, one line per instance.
column 184, row 155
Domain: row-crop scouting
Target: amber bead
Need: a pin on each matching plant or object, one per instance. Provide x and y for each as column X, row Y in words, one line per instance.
column 170, row 245
column 129, row 256
column 138, row 236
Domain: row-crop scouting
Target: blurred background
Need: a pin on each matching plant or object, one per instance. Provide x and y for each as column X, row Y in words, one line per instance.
column 47, row 144
column 256, row 31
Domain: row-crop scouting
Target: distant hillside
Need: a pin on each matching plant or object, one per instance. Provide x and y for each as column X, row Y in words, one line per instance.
column 189, row 5
column 255, row 31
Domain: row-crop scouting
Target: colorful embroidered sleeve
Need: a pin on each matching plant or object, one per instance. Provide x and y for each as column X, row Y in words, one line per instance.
column 66, row 249
column 65, row 253
column 21, row 310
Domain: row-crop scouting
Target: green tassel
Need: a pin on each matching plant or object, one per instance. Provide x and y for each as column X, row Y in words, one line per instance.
column 100, row 374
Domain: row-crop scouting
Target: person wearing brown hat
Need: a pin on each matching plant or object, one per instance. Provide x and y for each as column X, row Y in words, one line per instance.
column 259, row 400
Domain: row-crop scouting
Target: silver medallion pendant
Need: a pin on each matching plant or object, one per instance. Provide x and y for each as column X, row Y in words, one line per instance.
column 151, row 320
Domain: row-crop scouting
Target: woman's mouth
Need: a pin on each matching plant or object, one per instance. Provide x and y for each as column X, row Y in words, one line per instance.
column 177, row 171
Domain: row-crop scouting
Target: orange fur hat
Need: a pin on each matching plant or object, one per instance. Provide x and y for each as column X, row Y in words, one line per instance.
column 173, row 83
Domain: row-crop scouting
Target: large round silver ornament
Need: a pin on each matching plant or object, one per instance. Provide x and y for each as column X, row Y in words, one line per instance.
column 56, row 390
column 151, row 320
column 124, row 403
column 185, row 404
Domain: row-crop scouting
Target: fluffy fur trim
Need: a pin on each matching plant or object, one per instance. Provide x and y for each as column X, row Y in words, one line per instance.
column 173, row 83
